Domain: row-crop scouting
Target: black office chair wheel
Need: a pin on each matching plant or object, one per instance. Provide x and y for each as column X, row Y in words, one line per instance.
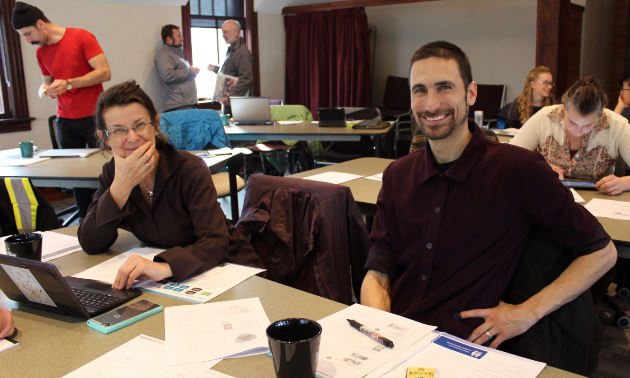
column 622, row 320
column 624, row 292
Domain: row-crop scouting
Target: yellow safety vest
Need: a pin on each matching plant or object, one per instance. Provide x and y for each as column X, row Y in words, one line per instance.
column 24, row 203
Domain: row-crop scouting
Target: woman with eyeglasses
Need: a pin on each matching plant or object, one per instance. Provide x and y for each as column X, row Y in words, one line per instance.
column 581, row 139
column 536, row 94
column 165, row 197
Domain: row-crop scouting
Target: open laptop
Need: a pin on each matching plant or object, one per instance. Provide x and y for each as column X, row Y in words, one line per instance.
column 69, row 152
column 251, row 110
column 41, row 285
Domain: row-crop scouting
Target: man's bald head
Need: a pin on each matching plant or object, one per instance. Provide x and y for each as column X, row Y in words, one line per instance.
column 231, row 31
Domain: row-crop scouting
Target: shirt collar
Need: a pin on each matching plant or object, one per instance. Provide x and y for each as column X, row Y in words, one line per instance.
column 464, row 164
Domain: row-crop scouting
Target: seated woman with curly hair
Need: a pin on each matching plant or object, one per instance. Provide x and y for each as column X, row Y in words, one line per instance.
column 536, row 94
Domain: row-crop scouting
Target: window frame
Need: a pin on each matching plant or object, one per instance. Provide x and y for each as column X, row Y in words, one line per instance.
column 16, row 117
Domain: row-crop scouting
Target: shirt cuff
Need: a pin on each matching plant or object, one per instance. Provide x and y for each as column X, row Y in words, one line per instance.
column 382, row 260
column 182, row 263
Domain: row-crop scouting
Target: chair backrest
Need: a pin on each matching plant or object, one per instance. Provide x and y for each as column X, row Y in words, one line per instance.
column 490, row 99
column 397, row 93
column 290, row 113
column 276, row 102
column 195, row 129
column 310, row 235
column 52, row 129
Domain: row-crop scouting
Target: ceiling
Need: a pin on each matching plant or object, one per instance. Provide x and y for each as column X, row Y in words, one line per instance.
column 275, row 6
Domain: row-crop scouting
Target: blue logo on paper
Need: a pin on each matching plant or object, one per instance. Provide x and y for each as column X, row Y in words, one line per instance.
column 460, row 347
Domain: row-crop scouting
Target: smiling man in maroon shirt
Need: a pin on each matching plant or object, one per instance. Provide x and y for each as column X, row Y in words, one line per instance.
column 453, row 218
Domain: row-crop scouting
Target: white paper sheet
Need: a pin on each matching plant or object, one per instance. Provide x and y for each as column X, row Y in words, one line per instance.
column 199, row 289
column 455, row 358
column 609, row 208
column 288, row 122
column 333, row 177
column 345, row 352
column 578, row 198
column 107, row 270
column 210, row 331
column 378, row 177
column 54, row 245
column 142, row 357
column 20, row 161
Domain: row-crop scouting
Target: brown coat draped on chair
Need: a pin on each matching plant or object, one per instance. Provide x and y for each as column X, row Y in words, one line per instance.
column 310, row 235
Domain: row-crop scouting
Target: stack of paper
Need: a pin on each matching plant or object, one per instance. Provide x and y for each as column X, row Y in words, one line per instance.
column 54, row 245
column 199, row 289
column 142, row 357
column 215, row 331
column 609, row 208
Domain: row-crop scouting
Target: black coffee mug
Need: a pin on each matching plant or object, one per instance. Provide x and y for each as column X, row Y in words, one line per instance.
column 26, row 246
column 294, row 345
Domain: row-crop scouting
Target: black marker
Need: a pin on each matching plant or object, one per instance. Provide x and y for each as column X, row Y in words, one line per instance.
column 365, row 330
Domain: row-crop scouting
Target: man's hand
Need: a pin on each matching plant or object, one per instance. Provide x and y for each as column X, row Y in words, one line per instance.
column 376, row 291
column 613, row 185
column 504, row 321
column 57, row 88
column 559, row 171
column 226, row 101
column 211, row 67
column 621, row 104
column 194, row 70
column 138, row 268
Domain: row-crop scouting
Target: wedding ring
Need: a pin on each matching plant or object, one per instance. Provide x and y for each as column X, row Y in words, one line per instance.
column 148, row 166
column 488, row 334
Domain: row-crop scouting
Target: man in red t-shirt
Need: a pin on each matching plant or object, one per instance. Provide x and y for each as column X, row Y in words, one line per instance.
column 73, row 68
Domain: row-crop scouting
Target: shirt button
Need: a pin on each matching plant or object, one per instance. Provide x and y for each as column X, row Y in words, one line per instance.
column 424, row 278
column 437, row 210
column 429, row 245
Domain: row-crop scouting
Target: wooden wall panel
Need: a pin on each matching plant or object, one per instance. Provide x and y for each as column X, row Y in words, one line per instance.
column 620, row 50
column 551, row 39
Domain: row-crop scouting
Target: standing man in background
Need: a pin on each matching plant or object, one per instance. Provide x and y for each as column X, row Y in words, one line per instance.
column 73, row 68
column 179, row 91
column 238, row 62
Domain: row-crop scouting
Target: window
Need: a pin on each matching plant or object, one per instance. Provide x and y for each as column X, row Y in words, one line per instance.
column 13, row 102
column 208, row 45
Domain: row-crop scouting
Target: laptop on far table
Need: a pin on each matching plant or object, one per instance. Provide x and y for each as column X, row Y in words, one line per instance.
column 69, row 152
column 40, row 284
column 251, row 110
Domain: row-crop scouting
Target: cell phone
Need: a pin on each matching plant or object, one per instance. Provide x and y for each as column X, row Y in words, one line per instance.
column 122, row 317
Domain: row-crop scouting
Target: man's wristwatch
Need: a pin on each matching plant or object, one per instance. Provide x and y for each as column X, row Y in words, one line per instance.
column 69, row 85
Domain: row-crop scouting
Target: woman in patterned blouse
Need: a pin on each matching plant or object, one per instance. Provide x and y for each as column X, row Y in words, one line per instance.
column 580, row 139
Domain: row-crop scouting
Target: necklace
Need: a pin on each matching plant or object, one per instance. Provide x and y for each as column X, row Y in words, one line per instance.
column 148, row 192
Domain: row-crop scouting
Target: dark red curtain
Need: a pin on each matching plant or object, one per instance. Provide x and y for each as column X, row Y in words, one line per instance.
column 328, row 59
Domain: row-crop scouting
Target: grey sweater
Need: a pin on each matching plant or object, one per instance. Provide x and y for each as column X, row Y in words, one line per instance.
column 240, row 63
column 178, row 82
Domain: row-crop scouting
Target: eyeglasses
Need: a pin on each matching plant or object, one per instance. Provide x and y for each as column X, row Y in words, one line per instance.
column 545, row 83
column 140, row 128
column 625, row 89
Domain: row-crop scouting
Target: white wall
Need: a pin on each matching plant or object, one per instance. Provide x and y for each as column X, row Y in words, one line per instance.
column 498, row 36
column 597, row 41
column 128, row 34
column 271, row 55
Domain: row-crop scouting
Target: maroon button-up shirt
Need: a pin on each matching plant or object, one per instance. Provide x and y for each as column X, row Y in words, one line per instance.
column 451, row 242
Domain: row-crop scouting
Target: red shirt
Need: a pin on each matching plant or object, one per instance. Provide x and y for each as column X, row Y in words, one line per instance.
column 68, row 59
column 450, row 242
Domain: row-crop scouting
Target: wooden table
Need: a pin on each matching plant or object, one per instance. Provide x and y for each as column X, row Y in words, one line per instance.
column 305, row 131
column 52, row 345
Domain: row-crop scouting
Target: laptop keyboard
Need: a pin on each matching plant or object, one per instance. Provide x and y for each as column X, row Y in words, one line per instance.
column 94, row 299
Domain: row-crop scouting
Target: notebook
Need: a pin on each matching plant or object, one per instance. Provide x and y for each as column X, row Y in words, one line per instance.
column 69, row 152
column 251, row 110
column 41, row 285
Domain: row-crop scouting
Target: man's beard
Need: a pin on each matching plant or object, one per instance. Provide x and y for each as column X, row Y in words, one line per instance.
column 443, row 131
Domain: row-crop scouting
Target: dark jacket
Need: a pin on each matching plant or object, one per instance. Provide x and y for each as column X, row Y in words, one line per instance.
column 239, row 62
column 308, row 234
column 185, row 218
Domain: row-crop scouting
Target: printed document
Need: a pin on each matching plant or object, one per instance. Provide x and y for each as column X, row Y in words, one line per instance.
column 345, row 352
column 199, row 289
column 142, row 357
column 576, row 196
column 453, row 357
column 19, row 161
column 609, row 208
column 212, row 331
column 378, row 177
column 54, row 245
column 333, row 177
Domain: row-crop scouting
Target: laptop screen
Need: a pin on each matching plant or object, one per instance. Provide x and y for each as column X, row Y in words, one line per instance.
column 250, row 109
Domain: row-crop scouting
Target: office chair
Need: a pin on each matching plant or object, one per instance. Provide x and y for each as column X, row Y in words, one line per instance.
column 310, row 235
column 200, row 129
column 74, row 209
column 397, row 98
